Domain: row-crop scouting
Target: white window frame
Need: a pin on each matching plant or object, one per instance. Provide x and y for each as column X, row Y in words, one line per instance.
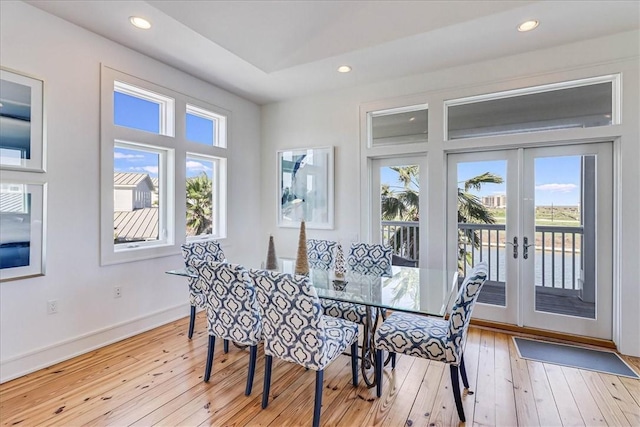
column 172, row 141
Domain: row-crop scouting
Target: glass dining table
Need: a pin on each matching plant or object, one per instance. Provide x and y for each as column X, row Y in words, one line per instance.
column 408, row 289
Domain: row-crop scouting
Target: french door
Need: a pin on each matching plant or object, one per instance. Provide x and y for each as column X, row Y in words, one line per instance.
column 542, row 220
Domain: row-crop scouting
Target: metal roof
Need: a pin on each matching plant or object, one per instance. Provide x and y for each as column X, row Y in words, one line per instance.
column 137, row 225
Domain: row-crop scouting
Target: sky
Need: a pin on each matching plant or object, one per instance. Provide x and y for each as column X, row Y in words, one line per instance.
column 557, row 179
column 140, row 114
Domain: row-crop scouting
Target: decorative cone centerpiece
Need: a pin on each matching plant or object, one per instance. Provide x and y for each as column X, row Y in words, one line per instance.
column 272, row 260
column 302, row 261
column 340, row 268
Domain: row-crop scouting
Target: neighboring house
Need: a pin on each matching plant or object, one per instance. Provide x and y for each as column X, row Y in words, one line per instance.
column 135, row 217
column 131, row 191
column 154, row 194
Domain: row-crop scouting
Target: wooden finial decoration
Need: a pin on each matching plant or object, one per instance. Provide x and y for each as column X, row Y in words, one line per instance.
column 302, row 262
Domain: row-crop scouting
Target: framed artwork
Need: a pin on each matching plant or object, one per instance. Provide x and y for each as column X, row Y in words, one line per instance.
column 21, row 122
column 305, row 187
column 22, row 220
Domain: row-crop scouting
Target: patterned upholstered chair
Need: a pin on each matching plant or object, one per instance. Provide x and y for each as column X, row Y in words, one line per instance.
column 367, row 258
column 295, row 330
column 321, row 253
column 232, row 310
column 199, row 251
column 432, row 338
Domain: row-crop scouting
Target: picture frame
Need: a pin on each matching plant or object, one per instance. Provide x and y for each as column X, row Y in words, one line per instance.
column 23, row 223
column 22, row 137
column 305, row 187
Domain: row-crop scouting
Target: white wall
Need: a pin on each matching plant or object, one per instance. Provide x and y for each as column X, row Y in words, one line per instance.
column 68, row 59
column 334, row 119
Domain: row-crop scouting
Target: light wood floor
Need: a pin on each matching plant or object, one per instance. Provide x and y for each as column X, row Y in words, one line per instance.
column 156, row 379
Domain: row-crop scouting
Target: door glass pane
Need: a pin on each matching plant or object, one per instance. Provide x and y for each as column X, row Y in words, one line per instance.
column 482, row 213
column 564, row 246
column 399, row 212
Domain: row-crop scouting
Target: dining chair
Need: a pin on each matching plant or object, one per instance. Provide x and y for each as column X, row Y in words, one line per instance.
column 295, row 330
column 199, row 251
column 321, row 253
column 232, row 310
column 370, row 258
column 434, row 338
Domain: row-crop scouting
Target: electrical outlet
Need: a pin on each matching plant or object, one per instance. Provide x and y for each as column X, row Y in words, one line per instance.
column 117, row 291
column 52, row 306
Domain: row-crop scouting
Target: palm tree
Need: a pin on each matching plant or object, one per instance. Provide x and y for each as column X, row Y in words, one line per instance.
column 471, row 210
column 199, row 205
column 403, row 205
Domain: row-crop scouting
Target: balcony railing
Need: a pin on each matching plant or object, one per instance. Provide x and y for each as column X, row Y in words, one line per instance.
column 557, row 250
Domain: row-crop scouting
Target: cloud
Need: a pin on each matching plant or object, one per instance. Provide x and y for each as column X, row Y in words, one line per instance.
column 118, row 155
column 557, row 188
column 193, row 165
column 148, row 169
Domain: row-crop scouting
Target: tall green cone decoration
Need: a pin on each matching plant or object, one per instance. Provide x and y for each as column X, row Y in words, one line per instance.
column 272, row 260
column 340, row 268
column 302, row 262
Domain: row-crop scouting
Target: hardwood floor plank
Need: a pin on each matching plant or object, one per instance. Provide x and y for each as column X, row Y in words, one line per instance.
column 525, row 403
column 625, row 401
column 485, row 394
column 545, row 404
column 505, row 398
column 606, row 403
column 429, row 389
column 588, row 407
column 566, row 404
column 406, row 395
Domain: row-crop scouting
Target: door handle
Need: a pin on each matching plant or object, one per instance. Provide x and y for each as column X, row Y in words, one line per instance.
column 525, row 247
column 515, row 246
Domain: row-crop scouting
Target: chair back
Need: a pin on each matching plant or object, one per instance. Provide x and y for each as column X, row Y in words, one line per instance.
column 463, row 306
column 209, row 251
column 372, row 259
column 291, row 317
column 232, row 309
column 321, row 254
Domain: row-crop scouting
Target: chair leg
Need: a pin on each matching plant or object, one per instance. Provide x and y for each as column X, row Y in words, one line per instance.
column 463, row 372
column 455, row 385
column 318, row 402
column 393, row 360
column 192, row 320
column 379, row 356
column 225, row 346
column 354, row 363
column 207, row 369
column 253, row 351
column 267, row 380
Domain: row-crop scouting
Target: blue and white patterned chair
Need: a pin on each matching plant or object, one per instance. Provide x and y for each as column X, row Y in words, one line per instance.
column 432, row 338
column 232, row 310
column 295, row 330
column 321, row 253
column 209, row 251
column 370, row 258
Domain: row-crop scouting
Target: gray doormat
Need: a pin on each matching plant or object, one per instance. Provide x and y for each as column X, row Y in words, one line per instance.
column 575, row 357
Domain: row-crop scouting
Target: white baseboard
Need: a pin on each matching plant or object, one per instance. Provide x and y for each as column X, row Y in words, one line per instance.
column 23, row 364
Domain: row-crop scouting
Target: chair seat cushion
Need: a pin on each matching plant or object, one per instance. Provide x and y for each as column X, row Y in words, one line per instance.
column 414, row 335
column 345, row 310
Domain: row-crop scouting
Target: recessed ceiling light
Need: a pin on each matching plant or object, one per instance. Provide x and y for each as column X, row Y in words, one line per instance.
column 411, row 119
column 528, row 26
column 344, row 69
column 140, row 22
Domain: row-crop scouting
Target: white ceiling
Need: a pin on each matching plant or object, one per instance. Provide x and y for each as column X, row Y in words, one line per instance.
column 268, row 51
